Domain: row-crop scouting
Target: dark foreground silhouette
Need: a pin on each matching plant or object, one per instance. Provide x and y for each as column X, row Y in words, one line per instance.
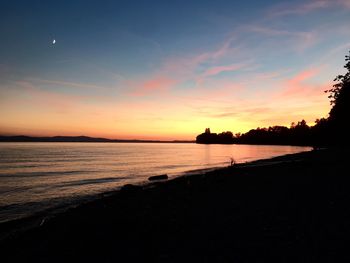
column 287, row 209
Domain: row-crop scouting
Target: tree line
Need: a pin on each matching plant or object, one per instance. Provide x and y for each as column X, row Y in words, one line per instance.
column 330, row 131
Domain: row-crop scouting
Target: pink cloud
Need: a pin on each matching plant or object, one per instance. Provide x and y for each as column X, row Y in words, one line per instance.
column 301, row 86
column 153, row 85
column 183, row 68
column 304, row 75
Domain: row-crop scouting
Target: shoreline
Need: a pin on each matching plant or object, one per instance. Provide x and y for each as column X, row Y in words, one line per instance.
column 222, row 204
column 64, row 203
column 34, row 220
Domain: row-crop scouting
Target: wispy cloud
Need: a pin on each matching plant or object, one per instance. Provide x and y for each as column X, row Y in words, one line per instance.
column 65, row 83
column 219, row 69
column 269, row 75
column 243, row 112
column 62, row 103
column 159, row 84
column 180, row 69
column 301, row 39
column 308, row 7
column 304, row 8
column 186, row 65
column 301, row 86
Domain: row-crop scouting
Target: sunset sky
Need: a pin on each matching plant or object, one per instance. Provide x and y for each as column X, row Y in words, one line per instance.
column 167, row 69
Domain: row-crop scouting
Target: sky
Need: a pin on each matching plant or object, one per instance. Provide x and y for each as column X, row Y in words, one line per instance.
column 167, row 69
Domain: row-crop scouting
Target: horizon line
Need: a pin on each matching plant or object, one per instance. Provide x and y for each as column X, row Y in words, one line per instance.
column 93, row 139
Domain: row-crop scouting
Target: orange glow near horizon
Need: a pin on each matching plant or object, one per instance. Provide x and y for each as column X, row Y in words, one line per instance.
column 165, row 116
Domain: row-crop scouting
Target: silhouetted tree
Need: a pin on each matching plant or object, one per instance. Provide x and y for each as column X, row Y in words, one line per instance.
column 212, row 138
column 226, row 137
column 340, row 98
column 297, row 134
column 337, row 92
column 300, row 133
column 319, row 132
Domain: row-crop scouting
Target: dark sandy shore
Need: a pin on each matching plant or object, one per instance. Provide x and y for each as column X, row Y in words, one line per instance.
column 293, row 208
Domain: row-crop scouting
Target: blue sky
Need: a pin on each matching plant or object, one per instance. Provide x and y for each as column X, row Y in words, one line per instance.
column 166, row 69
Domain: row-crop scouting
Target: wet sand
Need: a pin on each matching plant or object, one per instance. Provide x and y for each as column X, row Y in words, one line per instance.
column 293, row 208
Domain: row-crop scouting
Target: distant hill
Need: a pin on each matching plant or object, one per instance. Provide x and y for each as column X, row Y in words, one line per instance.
column 23, row 138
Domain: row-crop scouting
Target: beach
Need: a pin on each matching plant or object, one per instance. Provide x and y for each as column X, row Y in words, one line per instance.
column 292, row 208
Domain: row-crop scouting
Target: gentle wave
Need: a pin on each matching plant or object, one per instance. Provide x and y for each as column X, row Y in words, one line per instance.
column 92, row 181
column 44, row 174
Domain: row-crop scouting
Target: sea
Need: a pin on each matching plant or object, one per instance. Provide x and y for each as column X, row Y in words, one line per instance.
column 38, row 177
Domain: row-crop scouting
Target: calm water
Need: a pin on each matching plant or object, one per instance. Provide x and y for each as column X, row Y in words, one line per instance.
column 37, row 176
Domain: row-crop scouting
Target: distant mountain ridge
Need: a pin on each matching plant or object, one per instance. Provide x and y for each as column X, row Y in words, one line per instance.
column 24, row 138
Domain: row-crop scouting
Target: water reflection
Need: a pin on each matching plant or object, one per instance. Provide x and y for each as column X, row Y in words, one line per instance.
column 40, row 172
